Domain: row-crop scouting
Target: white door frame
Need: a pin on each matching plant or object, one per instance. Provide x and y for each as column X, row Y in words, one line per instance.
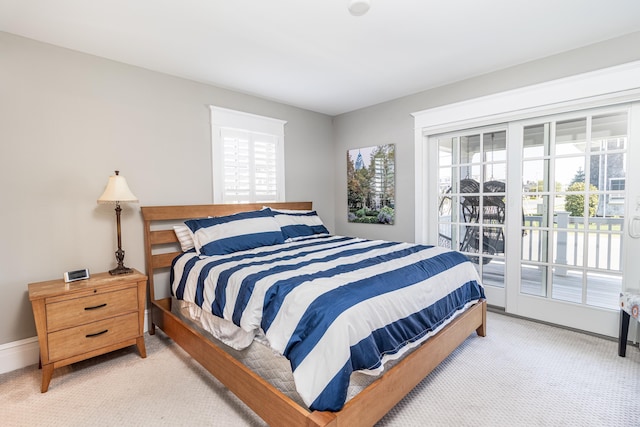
column 608, row 86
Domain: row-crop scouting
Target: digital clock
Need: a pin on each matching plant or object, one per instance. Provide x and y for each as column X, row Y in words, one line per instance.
column 72, row 276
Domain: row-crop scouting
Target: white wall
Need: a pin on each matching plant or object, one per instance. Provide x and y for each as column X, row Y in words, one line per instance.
column 68, row 120
column 392, row 123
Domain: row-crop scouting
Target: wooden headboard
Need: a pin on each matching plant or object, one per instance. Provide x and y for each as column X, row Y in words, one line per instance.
column 159, row 222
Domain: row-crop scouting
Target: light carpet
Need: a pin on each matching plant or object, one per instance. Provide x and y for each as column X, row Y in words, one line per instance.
column 522, row 374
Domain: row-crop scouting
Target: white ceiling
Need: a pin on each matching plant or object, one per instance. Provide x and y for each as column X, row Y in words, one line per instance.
column 312, row 53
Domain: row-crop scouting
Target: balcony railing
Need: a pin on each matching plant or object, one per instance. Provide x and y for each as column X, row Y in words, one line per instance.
column 604, row 241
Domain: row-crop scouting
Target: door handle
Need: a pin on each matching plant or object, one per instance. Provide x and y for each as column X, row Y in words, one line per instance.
column 634, row 227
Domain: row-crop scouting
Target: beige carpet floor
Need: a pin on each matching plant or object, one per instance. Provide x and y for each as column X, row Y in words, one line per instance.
column 522, row 374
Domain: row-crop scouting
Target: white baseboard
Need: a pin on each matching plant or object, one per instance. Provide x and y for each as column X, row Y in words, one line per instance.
column 18, row 354
column 26, row 352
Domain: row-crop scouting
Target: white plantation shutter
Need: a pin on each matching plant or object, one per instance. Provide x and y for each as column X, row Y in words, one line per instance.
column 250, row 167
column 236, row 161
column 248, row 157
column 265, row 168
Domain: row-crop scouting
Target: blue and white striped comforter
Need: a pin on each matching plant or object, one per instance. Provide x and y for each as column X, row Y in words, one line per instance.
column 332, row 305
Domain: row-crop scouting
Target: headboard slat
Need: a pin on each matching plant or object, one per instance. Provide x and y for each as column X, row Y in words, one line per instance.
column 163, row 236
column 164, row 260
column 165, row 213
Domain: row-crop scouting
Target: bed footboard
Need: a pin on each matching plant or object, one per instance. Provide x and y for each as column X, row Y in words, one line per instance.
column 277, row 409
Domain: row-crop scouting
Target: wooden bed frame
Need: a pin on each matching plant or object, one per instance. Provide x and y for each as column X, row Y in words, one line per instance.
column 273, row 406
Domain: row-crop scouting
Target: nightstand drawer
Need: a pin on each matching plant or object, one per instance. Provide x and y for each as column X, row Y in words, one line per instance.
column 73, row 341
column 89, row 309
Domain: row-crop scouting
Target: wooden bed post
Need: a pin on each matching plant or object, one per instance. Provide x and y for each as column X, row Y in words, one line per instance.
column 149, row 265
column 482, row 329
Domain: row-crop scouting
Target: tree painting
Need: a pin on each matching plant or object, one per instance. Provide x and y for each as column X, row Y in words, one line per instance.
column 371, row 184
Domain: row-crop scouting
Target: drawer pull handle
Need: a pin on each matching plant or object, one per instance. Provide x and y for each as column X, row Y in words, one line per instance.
column 97, row 333
column 96, row 306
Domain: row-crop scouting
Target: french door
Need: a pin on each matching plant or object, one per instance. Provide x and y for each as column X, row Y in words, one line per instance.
column 472, row 179
column 539, row 207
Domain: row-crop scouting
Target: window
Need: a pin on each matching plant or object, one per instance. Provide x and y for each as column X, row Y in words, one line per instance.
column 616, row 184
column 248, row 157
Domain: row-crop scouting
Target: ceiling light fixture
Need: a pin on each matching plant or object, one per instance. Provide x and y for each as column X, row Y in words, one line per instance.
column 359, row 7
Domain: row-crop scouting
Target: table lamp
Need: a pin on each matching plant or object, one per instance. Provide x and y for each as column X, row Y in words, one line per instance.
column 117, row 192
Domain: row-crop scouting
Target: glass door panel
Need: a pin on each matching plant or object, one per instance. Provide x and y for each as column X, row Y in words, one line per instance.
column 471, row 204
column 534, row 279
column 573, row 207
column 569, row 174
column 567, row 284
column 599, row 286
column 534, row 174
column 570, row 137
column 470, row 149
column 493, row 273
column 534, row 245
column 535, row 141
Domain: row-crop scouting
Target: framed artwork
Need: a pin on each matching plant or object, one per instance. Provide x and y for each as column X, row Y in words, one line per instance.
column 371, row 184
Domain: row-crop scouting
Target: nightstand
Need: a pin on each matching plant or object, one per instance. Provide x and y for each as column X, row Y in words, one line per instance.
column 87, row 318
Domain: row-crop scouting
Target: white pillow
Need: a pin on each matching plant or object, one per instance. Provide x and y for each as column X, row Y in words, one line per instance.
column 185, row 237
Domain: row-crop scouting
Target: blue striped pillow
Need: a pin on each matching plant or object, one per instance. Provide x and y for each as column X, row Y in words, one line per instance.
column 298, row 225
column 242, row 231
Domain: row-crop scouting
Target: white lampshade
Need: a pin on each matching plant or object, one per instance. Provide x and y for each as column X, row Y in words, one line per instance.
column 359, row 7
column 117, row 191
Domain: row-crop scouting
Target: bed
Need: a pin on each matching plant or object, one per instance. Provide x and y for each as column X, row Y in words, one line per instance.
column 233, row 271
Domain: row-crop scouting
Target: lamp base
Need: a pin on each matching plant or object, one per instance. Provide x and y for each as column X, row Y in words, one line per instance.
column 121, row 270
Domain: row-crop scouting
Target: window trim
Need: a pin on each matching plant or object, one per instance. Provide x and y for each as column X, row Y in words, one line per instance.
column 224, row 118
